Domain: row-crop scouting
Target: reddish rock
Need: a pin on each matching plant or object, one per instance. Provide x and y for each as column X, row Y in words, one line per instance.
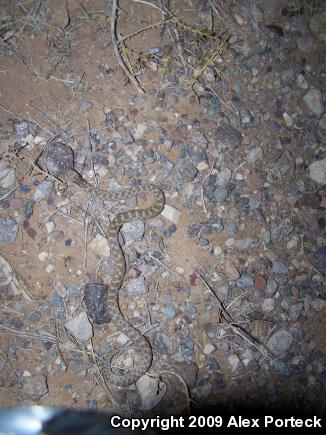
column 260, row 282
column 301, row 277
column 194, row 279
column 119, row 395
column 231, row 271
column 29, row 230
column 259, row 330
column 188, row 372
column 16, row 203
column 32, row 233
column 295, row 292
column 309, row 199
column 133, row 273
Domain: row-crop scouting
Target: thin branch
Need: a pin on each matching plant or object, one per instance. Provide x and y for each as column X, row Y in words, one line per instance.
column 149, row 4
column 238, row 330
column 49, row 119
column 11, row 113
column 116, row 50
column 144, row 29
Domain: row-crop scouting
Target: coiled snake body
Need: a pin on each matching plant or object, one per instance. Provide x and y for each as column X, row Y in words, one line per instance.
column 135, row 337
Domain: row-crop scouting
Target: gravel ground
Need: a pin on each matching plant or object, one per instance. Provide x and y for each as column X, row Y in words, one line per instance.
column 228, row 283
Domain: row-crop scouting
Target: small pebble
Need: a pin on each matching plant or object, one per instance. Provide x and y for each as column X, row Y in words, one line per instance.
column 314, row 101
column 170, row 312
column 209, row 348
column 80, row 327
column 254, row 155
column 8, row 230
column 171, row 213
column 43, row 256
column 280, row 341
column 35, row 386
column 318, row 171
column 292, row 243
column 322, row 223
column 279, row 267
column 260, row 282
column 137, row 286
column 49, row 226
column 43, row 190
column 320, row 255
column 228, row 137
column 271, row 287
column 268, row 305
column 289, row 121
column 231, row 271
column 132, row 231
column 302, row 82
column 244, row 282
column 234, row 362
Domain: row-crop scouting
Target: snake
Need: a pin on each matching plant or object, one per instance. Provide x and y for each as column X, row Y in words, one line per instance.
column 114, row 375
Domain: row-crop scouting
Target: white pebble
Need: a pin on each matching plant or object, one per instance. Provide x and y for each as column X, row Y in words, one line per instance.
column 302, row 82
column 239, row 19
column 99, row 245
column 209, row 348
column 171, row 213
column 292, row 243
column 49, row 227
column 102, row 171
column 217, row 251
column 38, row 140
column 43, row 256
column 189, row 188
column 314, row 101
column 50, row 268
column 140, row 130
column 122, row 339
column 202, row 166
column 289, row 121
column 318, row 171
column 268, row 304
column 80, row 327
column 234, row 361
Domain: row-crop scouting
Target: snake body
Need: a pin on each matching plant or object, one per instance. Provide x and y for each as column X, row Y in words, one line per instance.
column 120, row 376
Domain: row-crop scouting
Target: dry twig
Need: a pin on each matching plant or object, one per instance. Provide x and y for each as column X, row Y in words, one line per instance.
column 116, row 50
column 16, row 282
column 238, row 330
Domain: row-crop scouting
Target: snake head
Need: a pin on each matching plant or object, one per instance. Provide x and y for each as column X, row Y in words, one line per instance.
column 70, row 175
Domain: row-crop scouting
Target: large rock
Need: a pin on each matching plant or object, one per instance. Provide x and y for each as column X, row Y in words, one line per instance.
column 43, row 190
column 35, row 386
column 320, row 255
column 318, row 171
column 137, row 286
column 280, row 341
column 8, row 230
column 314, row 101
column 228, row 137
column 132, row 231
column 317, row 25
column 7, row 175
column 80, row 327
